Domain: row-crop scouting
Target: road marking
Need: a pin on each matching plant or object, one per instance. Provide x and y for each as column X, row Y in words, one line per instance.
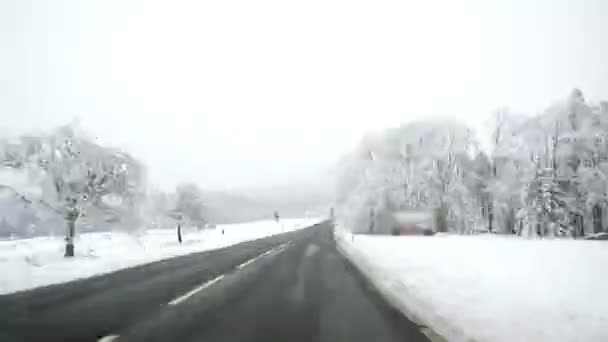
column 241, row 266
column 281, row 248
column 267, row 252
column 196, row 290
column 182, row 298
column 108, row 338
column 270, row 251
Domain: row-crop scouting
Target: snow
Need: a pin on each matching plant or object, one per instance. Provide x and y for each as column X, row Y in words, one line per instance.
column 29, row 263
column 490, row 288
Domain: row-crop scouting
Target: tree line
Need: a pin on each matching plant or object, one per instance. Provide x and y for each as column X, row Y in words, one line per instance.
column 540, row 175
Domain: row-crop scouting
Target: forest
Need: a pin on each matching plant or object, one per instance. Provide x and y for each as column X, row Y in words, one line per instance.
column 540, row 175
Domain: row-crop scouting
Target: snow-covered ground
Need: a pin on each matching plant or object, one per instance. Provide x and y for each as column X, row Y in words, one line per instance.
column 489, row 288
column 29, row 263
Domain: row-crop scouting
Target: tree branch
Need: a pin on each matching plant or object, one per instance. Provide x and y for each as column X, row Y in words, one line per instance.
column 23, row 198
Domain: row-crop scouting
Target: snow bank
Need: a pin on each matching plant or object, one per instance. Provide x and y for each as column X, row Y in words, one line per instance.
column 489, row 288
column 30, row 263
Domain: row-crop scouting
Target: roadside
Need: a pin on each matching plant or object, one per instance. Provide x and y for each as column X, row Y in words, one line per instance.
column 288, row 287
column 35, row 262
column 488, row 288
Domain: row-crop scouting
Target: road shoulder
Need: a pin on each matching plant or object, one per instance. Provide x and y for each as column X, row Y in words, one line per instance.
column 436, row 330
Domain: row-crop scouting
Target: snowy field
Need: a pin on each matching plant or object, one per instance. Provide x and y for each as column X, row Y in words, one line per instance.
column 489, row 288
column 29, row 263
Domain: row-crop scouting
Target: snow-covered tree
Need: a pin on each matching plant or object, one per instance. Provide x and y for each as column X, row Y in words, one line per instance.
column 74, row 178
column 567, row 143
column 544, row 175
column 416, row 166
column 189, row 203
column 508, row 165
column 157, row 206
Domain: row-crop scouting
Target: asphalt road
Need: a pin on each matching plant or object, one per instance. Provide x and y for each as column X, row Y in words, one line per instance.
column 290, row 287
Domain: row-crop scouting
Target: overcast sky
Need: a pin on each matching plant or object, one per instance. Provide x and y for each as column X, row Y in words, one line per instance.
column 230, row 93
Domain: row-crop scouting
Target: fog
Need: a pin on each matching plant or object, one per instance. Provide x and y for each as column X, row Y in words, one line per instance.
column 253, row 93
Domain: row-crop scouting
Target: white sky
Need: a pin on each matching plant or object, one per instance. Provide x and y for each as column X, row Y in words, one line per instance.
column 231, row 93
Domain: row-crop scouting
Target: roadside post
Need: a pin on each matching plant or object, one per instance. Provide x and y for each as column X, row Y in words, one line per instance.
column 372, row 219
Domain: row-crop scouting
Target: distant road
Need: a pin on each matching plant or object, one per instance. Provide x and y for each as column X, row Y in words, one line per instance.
column 290, row 287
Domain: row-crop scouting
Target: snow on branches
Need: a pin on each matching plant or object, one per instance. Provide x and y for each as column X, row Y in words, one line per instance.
column 72, row 176
column 540, row 175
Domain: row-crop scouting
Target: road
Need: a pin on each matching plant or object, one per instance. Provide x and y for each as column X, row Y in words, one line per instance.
column 289, row 287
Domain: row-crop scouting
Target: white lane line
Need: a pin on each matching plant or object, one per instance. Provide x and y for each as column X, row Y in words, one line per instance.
column 182, row 298
column 270, row 251
column 108, row 338
column 241, row 266
column 280, row 248
column 194, row 291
